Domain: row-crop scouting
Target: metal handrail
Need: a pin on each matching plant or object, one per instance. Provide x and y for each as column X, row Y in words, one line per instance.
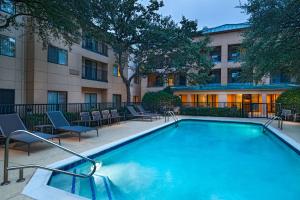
column 21, row 167
column 172, row 114
column 267, row 123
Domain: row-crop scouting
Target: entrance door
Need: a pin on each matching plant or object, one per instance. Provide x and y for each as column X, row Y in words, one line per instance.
column 246, row 104
column 7, row 97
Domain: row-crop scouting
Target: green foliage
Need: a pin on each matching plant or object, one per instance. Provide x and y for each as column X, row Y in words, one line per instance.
column 169, row 48
column 32, row 120
column 155, row 101
column 290, row 100
column 216, row 112
column 57, row 19
column 272, row 43
column 122, row 24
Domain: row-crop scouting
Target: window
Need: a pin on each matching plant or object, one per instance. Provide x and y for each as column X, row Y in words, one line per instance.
column 234, row 75
column 280, row 78
column 137, row 80
column 154, row 80
column 56, row 97
column 92, row 70
column 215, row 76
column 212, row 100
column 116, row 100
column 92, row 44
column 136, row 99
column 7, row 96
column 7, row 46
column 116, row 70
column 234, row 52
column 57, row 55
column 90, row 98
column 7, row 6
column 215, row 54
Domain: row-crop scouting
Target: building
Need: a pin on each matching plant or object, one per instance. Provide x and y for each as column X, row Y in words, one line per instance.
column 33, row 74
column 225, row 88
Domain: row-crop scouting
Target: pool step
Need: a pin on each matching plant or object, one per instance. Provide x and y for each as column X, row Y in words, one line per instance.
column 73, row 182
column 101, row 190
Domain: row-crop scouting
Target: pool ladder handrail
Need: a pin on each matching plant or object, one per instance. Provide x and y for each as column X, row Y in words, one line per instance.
column 171, row 114
column 21, row 167
column 269, row 122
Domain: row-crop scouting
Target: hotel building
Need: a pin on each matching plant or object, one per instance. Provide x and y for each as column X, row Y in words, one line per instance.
column 33, row 74
column 225, row 88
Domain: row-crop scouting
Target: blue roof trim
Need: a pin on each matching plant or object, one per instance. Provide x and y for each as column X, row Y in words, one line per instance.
column 225, row 27
column 240, row 86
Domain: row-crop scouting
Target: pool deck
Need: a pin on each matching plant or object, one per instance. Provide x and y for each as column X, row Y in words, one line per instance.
column 44, row 154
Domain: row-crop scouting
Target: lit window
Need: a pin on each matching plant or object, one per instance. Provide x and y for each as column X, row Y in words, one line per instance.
column 7, row 46
column 116, row 70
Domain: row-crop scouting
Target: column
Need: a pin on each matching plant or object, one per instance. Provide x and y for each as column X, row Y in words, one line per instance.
column 264, row 104
column 222, row 100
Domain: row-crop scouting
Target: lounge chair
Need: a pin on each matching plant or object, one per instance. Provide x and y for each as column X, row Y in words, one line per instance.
column 12, row 122
column 136, row 114
column 114, row 115
column 96, row 116
column 60, row 123
column 106, row 116
column 143, row 111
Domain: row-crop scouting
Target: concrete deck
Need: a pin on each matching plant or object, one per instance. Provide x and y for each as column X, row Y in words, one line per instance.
column 44, row 154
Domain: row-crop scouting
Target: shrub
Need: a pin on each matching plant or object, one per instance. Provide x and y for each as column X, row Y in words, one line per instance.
column 216, row 112
column 155, row 101
column 290, row 100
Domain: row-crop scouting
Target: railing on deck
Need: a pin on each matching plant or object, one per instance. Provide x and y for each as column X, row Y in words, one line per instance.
column 35, row 114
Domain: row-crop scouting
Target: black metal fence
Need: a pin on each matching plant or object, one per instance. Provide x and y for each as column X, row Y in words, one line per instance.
column 35, row 114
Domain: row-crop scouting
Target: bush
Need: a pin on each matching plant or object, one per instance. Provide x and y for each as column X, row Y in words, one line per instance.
column 216, row 112
column 155, row 101
column 290, row 100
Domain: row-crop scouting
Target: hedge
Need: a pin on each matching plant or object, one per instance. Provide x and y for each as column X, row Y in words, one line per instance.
column 216, row 112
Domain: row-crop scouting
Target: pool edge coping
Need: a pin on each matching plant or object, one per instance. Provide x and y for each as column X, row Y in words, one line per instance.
column 38, row 188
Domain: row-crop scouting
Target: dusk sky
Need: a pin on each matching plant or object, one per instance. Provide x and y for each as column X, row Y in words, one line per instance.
column 208, row 13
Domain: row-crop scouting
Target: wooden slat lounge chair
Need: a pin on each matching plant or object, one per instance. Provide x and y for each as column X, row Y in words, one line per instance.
column 114, row 115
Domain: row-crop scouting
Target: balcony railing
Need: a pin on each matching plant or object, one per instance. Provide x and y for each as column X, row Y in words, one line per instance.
column 90, row 73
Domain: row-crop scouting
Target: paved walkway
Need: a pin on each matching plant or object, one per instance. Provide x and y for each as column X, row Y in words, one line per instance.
column 43, row 154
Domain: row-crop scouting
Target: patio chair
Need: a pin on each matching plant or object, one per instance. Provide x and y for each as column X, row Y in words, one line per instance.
column 96, row 116
column 60, row 123
column 114, row 115
column 286, row 114
column 136, row 114
column 85, row 118
column 12, row 122
column 106, row 116
column 143, row 111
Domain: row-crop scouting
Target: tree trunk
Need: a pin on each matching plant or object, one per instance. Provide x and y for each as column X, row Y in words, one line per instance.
column 128, row 92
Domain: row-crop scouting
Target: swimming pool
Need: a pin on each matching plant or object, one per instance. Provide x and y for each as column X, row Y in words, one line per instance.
column 197, row 160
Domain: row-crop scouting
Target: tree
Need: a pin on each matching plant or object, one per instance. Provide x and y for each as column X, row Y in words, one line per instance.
column 272, row 43
column 57, row 19
column 169, row 48
column 122, row 24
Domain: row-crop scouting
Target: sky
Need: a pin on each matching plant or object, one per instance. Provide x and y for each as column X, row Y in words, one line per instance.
column 208, row 13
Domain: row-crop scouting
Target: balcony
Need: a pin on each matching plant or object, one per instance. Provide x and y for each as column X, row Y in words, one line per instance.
column 94, row 73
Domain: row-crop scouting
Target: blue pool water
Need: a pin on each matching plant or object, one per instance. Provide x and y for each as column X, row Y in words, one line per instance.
column 197, row 160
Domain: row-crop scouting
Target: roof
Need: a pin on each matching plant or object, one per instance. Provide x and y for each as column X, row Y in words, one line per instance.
column 224, row 28
column 236, row 86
